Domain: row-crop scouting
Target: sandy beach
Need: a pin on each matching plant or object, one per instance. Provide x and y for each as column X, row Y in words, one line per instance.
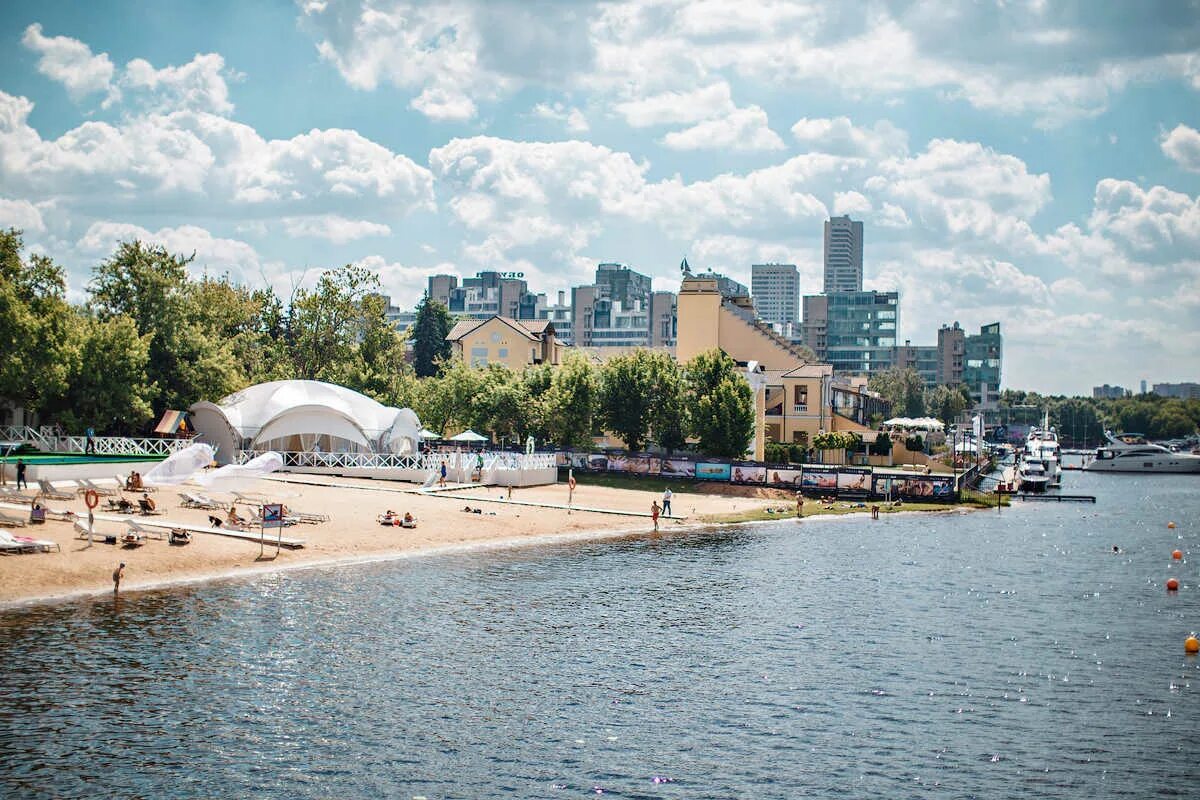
column 352, row 532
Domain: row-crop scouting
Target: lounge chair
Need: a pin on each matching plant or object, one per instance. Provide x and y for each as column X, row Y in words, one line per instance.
column 132, row 539
column 11, row 495
column 27, row 544
column 50, row 493
column 147, row 509
column 122, row 484
column 119, row 504
column 251, row 498
column 146, row 531
column 11, row 520
column 85, row 485
column 179, row 536
column 311, row 519
column 197, row 500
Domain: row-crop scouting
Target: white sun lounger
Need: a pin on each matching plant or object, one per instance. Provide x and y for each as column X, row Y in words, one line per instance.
column 146, row 531
column 11, row 520
column 142, row 488
column 85, row 485
column 31, row 545
column 49, row 492
column 197, row 500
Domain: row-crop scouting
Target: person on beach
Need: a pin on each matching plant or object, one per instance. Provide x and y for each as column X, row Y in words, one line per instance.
column 654, row 511
column 118, row 573
column 666, row 506
column 799, row 505
column 442, row 478
column 21, row 474
column 874, row 512
column 90, row 447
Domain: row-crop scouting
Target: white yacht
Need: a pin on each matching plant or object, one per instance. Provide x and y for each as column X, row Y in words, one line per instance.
column 1042, row 444
column 1032, row 475
column 1130, row 452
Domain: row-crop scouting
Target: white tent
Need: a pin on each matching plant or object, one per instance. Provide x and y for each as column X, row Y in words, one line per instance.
column 304, row 416
column 468, row 436
column 425, row 433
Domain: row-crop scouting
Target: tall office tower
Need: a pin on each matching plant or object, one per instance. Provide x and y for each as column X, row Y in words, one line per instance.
column 843, row 255
column 984, row 359
column 622, row 284
column 853, row 331
column 440, row 287
column 663, row 319
column 775, row 289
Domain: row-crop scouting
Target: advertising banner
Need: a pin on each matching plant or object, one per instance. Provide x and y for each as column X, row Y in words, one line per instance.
column 643, row 465
column 783, row 478
column 748, row 473
column 709, row 471
column 678, row 467
column 562, row 459
column 916, row 487
column 854, row 480
column 589, row 461
column 618, row 462
column 819, row 479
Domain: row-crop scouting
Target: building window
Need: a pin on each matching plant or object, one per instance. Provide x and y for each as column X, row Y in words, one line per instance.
column 800, row 398
column 479, row 356
column 502, row 353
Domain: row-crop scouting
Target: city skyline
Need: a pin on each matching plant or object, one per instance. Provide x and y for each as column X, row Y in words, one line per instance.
column 1039, row 167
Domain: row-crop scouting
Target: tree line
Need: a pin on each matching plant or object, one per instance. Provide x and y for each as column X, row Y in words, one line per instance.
column 149, row 337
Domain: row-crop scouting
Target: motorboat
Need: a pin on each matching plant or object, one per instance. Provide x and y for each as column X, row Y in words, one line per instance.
column 1042, row 444
column 1032, row 475
column 1130, row 452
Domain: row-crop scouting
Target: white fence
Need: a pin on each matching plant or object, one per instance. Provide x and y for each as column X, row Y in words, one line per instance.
column 424, row 462
column 45, row 438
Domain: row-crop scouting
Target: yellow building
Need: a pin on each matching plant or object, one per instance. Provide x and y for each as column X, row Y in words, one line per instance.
column 795, row 399
column 502, row 340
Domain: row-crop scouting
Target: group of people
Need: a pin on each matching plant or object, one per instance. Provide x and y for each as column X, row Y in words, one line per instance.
column 134, row 482
column 392, row 519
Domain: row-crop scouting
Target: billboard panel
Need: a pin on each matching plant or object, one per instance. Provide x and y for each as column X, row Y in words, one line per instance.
column 784, row 478
column 819, row 479
column 748, row 473
column 710, row 471
column 618, row 462
column 854, row 480
column 678, row 466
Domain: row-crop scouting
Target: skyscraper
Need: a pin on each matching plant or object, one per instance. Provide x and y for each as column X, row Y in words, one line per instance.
column 775, row 289
column 843, row 255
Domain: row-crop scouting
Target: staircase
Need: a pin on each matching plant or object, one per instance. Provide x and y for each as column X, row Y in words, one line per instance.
column 766, row 330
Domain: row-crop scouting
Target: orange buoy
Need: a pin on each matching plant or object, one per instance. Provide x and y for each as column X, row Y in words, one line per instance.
column 1172, row 584
column 1170, row 524
column 1176, row 554
column 1191, row 645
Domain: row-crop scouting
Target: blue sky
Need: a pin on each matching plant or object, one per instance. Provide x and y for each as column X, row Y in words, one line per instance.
column 1035, row 163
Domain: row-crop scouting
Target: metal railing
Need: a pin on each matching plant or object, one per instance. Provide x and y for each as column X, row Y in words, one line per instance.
column 45, row 438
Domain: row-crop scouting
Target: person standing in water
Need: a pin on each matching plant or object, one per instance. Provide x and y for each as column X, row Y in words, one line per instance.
column 654, row 509
column 118, row 573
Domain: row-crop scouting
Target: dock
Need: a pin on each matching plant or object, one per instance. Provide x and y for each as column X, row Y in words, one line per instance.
column 1054, row 497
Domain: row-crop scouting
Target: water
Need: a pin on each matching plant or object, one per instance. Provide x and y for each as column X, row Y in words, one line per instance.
column 977, row 655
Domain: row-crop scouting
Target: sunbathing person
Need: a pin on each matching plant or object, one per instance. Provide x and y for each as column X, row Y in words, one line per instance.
column 387, row 519
column 409, row 521
column 146, row 503
column 233, row 520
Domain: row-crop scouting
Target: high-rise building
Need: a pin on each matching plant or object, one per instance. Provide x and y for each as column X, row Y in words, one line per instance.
column 843, row 255
column 951, row 349
column 663, row 319
column 982, row 367
column 490, row 294
column 775, row 289
column 440, row 287
column 1184, row 391
column 919, row 357
column 1107, row 392
column 622, row 284
column 853, row 331
column 583, row 306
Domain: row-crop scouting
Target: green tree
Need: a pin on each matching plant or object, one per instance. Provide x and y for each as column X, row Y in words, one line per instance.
column 500, row 404
column 446, row 400
column 429, row 333
column 326, row 324
column 537, row 379
column 34, row 326
column 569, row 406
column 945, row 403
column 108, row 384
column 902, row 388
column 1172, row 421
column 1077, row 422
column 722, row 404
column 639, row 390
column 377, row 365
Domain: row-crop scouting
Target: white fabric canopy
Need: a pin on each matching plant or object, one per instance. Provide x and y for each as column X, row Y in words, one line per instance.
column 468, row 436
column 180, row 465
column 233, row 475
column 312, row 420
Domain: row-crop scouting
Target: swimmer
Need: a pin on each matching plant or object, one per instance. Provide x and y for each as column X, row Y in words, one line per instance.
column 1116, row 549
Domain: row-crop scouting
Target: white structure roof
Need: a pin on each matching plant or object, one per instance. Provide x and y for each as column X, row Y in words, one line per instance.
column 308, row 410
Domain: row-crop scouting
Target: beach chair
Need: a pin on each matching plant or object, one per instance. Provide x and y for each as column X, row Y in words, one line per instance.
column 251, row 498
column 9, row 545
column 143, row 488
column 85, row 485
column 146, row 531
column 11, row 495
column 81, row 529
column 26, row 544
column 311, row 519
column 11, row 520
column 132, row 538
column 50, row 493
column 146, row 509
column 203, row 501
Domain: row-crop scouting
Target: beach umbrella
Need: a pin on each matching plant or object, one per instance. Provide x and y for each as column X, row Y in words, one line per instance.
column 468, row 436
column 425, row 433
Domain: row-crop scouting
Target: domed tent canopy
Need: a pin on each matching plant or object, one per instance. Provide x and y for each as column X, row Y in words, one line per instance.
column 303, row 416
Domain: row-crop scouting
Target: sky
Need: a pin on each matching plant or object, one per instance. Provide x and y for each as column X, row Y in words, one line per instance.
column 1028, row 162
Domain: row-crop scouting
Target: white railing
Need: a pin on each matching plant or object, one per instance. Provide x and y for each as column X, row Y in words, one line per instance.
column 424, row 462
column 46, row 439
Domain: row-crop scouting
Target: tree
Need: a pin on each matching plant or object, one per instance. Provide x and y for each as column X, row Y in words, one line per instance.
column 902, row 388
column 639, row 390
column 446, row 399
column 569, row 406
column 35, row 322
column 377, row 367
column 325, row 325
column 429, row 333
column 945, row 403
column 500, row 403
column 723, row 405
column 108, row 384
column 1077, row 422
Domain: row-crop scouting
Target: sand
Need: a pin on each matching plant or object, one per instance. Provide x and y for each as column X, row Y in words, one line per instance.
column 351, row 534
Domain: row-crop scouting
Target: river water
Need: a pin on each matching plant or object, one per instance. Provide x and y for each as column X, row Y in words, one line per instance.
column 981, row 654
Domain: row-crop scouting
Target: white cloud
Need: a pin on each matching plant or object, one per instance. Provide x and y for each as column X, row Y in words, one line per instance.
column 444, row 104
column 850, row 203
column 197, row 85
column 842, row 137
column 403, row 283
column 1182, row 145
column 1155, row 219
column 572, row 118
column 70, row 62
column 672, row 108
column 207, row 164
column 213, row 254
column 334, row 228
column 21, row 214
column 744, row 129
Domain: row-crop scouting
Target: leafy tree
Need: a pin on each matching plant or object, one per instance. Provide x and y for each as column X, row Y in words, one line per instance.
column 325, row 324
column 500, row 403
column 945, row 403
column 1077, row 422
column 570, row 404
column 537, row 379
column 377, row 367
column 1172, row 421
column 429, row 333
column 447, row 400
column 722, row 403
column 902, row 388
column 108, row 384
column 637, row 391
column 34, row 326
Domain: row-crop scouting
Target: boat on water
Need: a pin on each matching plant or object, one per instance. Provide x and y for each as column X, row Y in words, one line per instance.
column 1042, row 444
column 1130, row 452
column 1032, row 475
